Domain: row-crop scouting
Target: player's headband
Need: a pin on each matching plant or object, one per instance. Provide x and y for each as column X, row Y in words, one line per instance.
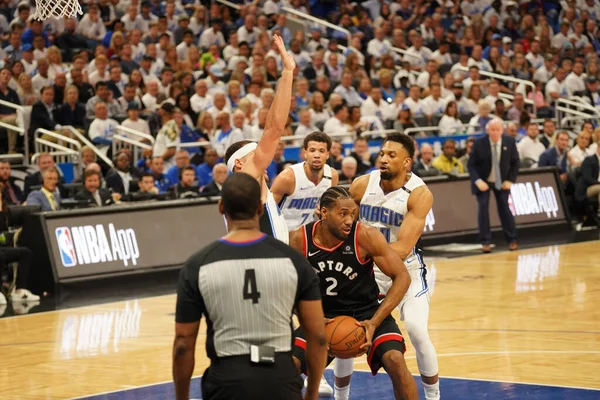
column 241, row 153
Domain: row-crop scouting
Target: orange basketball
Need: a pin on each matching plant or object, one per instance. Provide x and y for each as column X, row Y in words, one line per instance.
column 345, row 337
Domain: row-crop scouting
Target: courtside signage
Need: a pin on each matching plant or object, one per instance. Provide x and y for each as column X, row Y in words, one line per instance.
column 89, row 244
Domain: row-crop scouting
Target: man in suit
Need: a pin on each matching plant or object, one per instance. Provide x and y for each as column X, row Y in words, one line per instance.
column 42, row 116
column 92, row 193
column 556, row 156
column 494, row 166
column 424, row 164
column 11, row 193
column 44, row 162
column 588, row 186
column 220, row 174
column 122, row 179
column 185, row 189
column 48, row 196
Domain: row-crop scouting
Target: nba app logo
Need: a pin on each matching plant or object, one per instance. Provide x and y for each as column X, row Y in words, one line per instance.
column 65, row 247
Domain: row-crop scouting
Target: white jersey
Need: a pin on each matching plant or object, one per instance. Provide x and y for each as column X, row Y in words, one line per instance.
column 387, row 211
column 299, row 208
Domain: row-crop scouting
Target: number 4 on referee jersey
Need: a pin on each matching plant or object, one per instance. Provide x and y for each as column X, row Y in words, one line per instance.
column 250, row 290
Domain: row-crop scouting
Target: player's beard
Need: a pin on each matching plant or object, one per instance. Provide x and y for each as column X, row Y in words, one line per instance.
column 388, row 175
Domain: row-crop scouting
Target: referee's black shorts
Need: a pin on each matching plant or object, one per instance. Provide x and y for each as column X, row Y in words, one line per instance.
column 236, row 378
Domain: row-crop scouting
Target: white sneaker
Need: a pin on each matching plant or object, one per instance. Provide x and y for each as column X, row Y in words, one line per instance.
column 324, row 389
column 2, row 299
column 21, row 308
column 24, row 295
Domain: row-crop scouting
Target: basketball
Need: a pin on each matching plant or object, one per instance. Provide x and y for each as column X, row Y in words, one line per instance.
column 345, row 337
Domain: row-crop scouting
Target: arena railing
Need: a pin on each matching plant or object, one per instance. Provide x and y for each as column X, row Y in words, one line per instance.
column 46, row 146
column 189, row 145
column 507, row 79
column 137, row 144
column 512, row 97
column 574, row 101
column 20, row 127
column 12, row 157
column 88, row 143
column 317, row 21
column 73, row 155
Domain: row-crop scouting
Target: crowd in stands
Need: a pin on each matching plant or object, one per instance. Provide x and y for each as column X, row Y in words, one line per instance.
column 200, row 71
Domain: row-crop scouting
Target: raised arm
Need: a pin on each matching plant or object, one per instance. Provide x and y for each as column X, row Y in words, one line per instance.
column 420, row 202
column 277, row 117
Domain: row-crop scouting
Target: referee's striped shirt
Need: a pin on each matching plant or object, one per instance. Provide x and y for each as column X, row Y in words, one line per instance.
column 247, row 292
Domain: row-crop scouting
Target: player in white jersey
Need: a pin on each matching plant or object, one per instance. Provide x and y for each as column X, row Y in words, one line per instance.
column 298, row 188
column 254, row 158
column 398, row 202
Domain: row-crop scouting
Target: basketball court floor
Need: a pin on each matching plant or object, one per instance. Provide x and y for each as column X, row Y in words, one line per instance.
column 508, row 325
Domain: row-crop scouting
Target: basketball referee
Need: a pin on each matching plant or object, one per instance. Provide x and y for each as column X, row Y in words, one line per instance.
column 247, row 285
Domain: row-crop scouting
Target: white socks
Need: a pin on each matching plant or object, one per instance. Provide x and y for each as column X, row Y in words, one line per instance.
column 341, row 393
column 432, row 392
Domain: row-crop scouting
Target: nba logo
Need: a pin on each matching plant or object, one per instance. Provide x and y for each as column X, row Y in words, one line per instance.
column 65, row 247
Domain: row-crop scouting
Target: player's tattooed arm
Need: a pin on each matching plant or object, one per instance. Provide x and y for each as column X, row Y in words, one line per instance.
column 372, row 243
column 358, row 188
column 283, row 185
column 419, row 204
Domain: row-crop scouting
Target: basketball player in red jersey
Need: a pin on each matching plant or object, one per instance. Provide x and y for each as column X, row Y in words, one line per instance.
column 342, row 252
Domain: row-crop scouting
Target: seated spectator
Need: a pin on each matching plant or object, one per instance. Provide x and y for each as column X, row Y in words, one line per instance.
column 220, row 174
column 335, row 155
column 147, row 184
column 149, row 99
column 434, row 104
column 414, row 102
column 447, row 161
column 423, row 165
column 226, row 135
column 204, row 171
column 161, row 181
column 547, row 136
column 103, row 94
column 581, row 150
column 134, row 121
column 167, row 139
column 48, row 197
column 450, row 124
column 305, row 127
column 517, row 108
column 219, row 105
column 464, row 160
column 129, row 96
column 478, row 123
column 348, row 172
column 530, row 148
column 257, row 129
column 121, row 179
column 347, row 91
column 92, row 193
column 42, row 116
column 201, row 100
column 11, row 193
column 556, row 156
column 101, row 74
column 45, row 161
column 102, row 128
column 338, row 123
column 185, row 187
column 364, row 159
column 182, row 160
column 588, row 186
column 405, row 119
column 59, row 86
column 375, row 106
column 41, row 78
column 71, row 112
column 86, row 91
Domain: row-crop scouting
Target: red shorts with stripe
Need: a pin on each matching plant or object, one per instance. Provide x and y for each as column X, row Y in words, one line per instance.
column 387, row 337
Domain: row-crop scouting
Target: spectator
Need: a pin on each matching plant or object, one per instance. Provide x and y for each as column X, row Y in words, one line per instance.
column 102, row 128
column 548, row 133
column 581, row 150
column 226, row 135
column 556, row 87
column 147, row 184
column 8, row 115
column 71, row 112
column 167, row 139
column 121, row 179
column 305, row 126
column 185, row 187
column 220, row 174
column 201, row 100
column 92, row 193
column 591, row 95
column 43, row 117
column 588, row 186
column 134, row 121
column 447, row 161
column 364, row 159
column 337, row 123
column 92, row 27
column 48, row 197
column 493, row 166
column 424, row 165
column 182, row 160
column 161, row 181
column 374, row 106
column 348, row 171
column 11, row 193
column 464, row 160
column 101, row 74
column 103, row 94
column 213, row 35
column 450, row 124
column 478, row 123
column 150, row 99
column 405, row 119
column 205, row 170
column 86, row 91
column 556, row 156
column 219, row 105
column 517, row 108
column 335, row 155
column 347, row 91
column 530, row 148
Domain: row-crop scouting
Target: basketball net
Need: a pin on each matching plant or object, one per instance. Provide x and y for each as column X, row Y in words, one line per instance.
column 45, row 9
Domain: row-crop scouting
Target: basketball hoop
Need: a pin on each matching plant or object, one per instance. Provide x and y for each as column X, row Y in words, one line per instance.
column 45, row 9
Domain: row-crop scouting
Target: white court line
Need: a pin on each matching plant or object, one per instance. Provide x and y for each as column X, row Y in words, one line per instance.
column 487, row 353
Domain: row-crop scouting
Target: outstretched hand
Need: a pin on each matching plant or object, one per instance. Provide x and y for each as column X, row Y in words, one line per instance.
column 288, row 61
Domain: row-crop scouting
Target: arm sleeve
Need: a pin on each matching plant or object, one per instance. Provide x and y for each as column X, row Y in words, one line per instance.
column 308, row 282
column 190, row 304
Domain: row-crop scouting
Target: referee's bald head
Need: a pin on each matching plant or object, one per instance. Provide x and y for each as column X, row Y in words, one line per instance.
column 240, row 198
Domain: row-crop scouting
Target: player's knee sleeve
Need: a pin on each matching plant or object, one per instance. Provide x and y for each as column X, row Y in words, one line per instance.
column 343, row 367
column 419, row 338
